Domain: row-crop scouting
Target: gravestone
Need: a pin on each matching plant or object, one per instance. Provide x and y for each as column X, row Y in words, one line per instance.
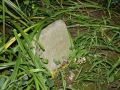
column 55, row 39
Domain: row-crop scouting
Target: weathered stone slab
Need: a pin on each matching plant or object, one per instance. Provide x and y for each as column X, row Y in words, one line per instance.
column 56, row 42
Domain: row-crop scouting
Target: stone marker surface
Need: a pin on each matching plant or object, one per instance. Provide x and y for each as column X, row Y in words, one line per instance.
column 56, row 42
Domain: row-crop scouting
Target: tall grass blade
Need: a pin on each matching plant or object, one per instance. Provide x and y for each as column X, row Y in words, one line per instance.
column 16, row 9
column 3, row 17
column 16, row 67
column 19, row 41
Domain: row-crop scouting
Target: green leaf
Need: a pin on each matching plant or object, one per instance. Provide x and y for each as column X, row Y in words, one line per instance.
column 45, row 61
column 73, row 53
column 2, row 80
column 73, row 65
column 25, row 77
column 26, row 2
column 22, row 32
column 16, row 67
column 57, row 62
column 50, row 82
column 19, row 41
column 39, row 44
column 17, row 9
column 111, row 78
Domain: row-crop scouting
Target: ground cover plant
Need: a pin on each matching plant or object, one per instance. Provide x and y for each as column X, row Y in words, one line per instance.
column 95, row 38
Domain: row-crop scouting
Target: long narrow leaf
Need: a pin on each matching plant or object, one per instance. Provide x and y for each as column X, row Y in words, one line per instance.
column 16, row 67
column 41, row 81
column 17, row 9
column 36, row 82
column 3, row 8
column 19, row 41
column 14, row 39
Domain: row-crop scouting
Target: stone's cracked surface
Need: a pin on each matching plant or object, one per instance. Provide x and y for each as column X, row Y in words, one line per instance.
column 56, row 42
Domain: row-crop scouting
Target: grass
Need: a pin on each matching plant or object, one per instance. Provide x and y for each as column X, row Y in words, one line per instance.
column 97, row 40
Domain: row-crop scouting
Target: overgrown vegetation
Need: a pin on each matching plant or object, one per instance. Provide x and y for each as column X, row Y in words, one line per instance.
column 96, row 40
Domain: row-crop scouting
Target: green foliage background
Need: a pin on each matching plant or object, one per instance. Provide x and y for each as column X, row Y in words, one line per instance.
column 21, row 69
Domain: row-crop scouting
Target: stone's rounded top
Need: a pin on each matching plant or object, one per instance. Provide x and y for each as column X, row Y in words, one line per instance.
column 54, row 26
